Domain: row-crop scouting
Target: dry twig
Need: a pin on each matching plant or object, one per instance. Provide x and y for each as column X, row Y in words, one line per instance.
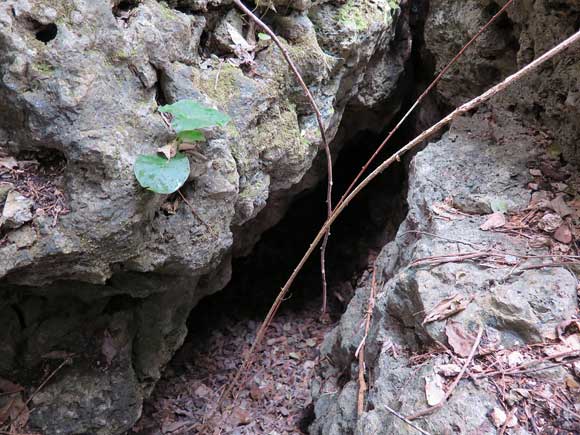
column 403, row 418
column 429, row 410
column 362, row 388
column 470, row 105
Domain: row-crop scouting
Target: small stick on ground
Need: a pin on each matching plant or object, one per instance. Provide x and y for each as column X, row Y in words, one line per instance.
column 362, row 385
column 409, row 422
column 429, row 410
column 314, row 106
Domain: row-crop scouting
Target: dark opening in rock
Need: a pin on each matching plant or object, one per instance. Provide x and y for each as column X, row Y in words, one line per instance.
column 47, row 32
column 124, row 6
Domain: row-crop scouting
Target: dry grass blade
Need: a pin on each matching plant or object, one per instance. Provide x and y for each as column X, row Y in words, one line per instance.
column 470, row 105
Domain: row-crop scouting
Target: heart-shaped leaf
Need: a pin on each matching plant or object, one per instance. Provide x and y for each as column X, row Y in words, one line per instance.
column 191, row 115
column 160, row 175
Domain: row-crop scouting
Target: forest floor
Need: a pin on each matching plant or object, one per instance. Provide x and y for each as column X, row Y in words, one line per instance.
column 276, row 395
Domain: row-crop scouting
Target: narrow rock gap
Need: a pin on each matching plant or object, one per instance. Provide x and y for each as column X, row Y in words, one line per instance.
column 276, row 396
column 223, row 325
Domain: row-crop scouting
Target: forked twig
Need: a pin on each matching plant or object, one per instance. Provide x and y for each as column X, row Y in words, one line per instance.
column 429, row 410
column 314, row 106
column 470, row 105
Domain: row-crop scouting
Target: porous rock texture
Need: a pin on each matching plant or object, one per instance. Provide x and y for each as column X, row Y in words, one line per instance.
column 106, row 271
column 481, row 162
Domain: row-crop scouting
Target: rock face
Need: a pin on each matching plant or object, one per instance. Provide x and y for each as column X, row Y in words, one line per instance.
column 480, row 166
column 93, row 266
column 517, row 303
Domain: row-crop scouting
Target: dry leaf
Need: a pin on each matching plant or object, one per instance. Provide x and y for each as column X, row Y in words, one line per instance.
column 535, row 173
column 448, row 370
column 447, row 307
column 460, row 340
column 495, row 220
column 434, row 391
column 8, row 387
column 168, row 150
column 498, row 417
column 559, row 206
column 550, row 222
column 19, row 414
column 563, row 234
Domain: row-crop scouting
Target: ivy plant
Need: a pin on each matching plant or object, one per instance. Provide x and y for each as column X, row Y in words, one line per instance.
column 166, row 173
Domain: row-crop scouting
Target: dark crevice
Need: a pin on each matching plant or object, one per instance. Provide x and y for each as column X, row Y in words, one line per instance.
column 121, row 9
column 47, row 33
column 160, row 97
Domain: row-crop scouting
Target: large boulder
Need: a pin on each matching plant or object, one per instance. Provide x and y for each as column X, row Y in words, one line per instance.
column 508, row 286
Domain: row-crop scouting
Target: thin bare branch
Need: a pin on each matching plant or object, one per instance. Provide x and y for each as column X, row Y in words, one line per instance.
column 409, row 422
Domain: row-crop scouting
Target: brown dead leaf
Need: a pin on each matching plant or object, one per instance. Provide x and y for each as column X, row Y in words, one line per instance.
column 563, row 234
column 559, row 206
column 447, row 307
column 240, row 417
column 19, row 414
column 168, row 150
column 434, row 392
column 459, row 339
column 495, row 220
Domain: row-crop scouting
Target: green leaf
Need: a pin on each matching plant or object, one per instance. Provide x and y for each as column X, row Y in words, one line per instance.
column 191, row 136
column 191, row 115
column 160, row 175
column 264, row 37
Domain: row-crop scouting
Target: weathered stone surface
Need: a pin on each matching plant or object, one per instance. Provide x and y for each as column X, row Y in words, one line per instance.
column 17, row 210
column 549, row 97
column 82, row 81
column 515, row 305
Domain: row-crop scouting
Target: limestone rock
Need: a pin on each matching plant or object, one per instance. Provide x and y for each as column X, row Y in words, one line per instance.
column 17, row 210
